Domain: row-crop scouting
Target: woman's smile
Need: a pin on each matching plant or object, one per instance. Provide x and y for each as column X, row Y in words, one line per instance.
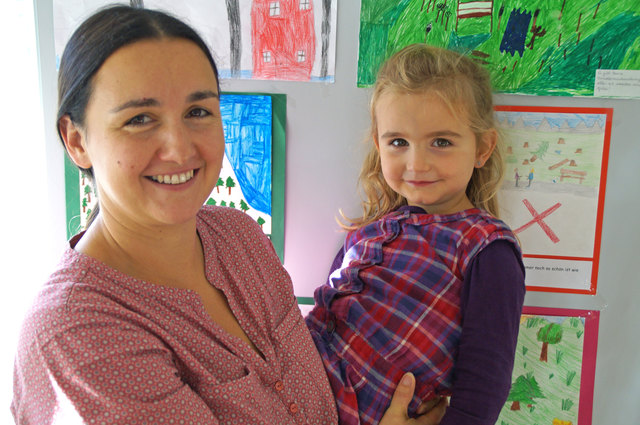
column 173, row 179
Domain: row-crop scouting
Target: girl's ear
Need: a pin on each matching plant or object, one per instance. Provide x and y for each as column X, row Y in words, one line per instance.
column 376, row 142
column 486, row 145
column 75, row 141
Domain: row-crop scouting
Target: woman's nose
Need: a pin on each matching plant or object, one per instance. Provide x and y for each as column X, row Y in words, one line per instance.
column 177, row 145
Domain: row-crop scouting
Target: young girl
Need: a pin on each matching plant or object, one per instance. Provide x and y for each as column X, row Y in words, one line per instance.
column 429, row 281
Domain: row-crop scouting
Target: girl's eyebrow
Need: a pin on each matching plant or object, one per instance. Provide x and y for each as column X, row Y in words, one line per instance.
column 439, row 133
column 148, row 101
column 446, row 133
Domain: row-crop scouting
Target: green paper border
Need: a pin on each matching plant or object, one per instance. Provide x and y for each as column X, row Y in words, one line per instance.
column 72, row 196
column 278, row 164
column 278, row 152
column 305, row 300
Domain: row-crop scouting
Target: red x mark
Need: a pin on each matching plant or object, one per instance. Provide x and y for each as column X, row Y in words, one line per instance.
column 537, row 218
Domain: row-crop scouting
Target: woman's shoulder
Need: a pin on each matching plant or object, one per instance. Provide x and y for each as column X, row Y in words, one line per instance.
column 52, row 310
column 225, row 219
column 83, row 290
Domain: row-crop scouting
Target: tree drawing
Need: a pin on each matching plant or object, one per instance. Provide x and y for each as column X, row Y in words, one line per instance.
column 524, row 390
column 211, row 201
column 243, row 206
column 223, row 204
column 260, row 221
column 549, row 334
column 230, row 183
column 325, row 32
column 87, row 191
column 84, row 205
column 543, row 147
column 233, row 14
column 219, row 183
column 88, row 214
column 232, row 204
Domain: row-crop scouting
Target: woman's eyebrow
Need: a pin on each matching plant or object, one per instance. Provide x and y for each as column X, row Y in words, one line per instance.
column 136, row 103
column 201, row 95
column 149, row 101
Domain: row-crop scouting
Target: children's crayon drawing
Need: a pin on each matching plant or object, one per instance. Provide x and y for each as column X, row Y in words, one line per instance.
column 251, row 39
column 554, row 369
column 252, row 175
column 553, row 193
column 537, row 47
column 245, row 177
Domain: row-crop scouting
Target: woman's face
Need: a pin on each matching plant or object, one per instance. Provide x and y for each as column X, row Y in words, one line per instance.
column 153, row 132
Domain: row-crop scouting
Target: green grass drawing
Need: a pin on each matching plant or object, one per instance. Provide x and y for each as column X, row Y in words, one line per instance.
column 533, row 384
column 538, row 47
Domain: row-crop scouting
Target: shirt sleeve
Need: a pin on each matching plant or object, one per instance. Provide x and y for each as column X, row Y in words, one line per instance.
column 103, row 369
column 337, row 263
column 492, row 299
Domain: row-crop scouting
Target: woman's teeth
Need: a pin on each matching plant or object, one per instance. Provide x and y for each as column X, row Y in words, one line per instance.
column 173, row 178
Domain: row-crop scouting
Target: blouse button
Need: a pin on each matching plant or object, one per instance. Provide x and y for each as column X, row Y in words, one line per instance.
column 293, row 408
column 279, row 386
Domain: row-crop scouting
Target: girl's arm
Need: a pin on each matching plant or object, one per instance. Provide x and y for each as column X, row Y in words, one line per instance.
column 492, row 298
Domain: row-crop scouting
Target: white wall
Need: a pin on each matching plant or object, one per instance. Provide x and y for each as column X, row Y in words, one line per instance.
column 325, row 126
column 31, row 238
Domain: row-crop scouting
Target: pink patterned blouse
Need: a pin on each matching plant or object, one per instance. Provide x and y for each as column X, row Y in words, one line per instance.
column 101, row 347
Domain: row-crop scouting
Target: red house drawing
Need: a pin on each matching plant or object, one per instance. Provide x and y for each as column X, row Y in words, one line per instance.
column 283, row 38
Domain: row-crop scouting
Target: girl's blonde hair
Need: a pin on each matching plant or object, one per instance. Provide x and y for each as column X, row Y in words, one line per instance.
column 465, row 88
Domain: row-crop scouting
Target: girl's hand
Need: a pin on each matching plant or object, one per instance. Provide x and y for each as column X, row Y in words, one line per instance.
column 396, row 414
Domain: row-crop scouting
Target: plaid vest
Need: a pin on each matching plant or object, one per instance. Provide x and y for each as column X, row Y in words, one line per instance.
column 394, row 307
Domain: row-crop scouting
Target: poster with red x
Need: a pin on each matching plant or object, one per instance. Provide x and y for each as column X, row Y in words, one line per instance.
column 553, row 192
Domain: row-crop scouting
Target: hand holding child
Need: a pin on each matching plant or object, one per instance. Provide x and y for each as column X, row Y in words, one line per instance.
column 431, row 412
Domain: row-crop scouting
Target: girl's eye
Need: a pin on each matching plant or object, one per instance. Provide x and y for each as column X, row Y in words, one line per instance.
column 198, row 113
column 139, row 120
column 399, row 143
column 441, row 143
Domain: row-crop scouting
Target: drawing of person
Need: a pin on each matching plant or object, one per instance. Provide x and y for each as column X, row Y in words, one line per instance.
column 516, row 176
column 530, row 177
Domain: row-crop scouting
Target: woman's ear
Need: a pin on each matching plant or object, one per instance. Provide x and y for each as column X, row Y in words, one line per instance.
column 74, row 139
column 486, row 145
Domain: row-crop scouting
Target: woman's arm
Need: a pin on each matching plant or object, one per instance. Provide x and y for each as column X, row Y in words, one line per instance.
column 396, row 414
column 102, row 369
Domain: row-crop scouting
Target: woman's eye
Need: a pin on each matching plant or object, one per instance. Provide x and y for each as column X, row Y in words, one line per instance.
column 399, row 143
column 441, row 143
column 139, row 120
column 198, row 113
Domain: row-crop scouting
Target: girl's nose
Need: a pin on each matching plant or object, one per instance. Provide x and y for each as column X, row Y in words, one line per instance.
column 418, row 160
column 177, row 145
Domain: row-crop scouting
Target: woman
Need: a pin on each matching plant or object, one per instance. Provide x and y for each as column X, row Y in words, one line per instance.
column 163, row 311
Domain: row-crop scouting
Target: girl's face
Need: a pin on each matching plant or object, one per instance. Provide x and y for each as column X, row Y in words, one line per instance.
column 427, row 154
column 153, row 132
